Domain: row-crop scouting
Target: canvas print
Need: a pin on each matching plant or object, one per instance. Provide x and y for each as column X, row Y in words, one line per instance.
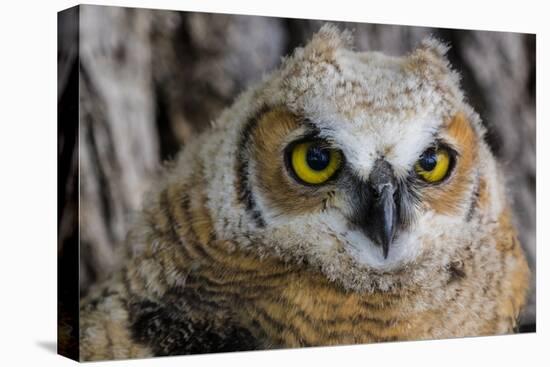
column 236, row 183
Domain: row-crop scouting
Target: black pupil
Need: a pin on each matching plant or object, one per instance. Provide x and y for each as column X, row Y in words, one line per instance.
column 428, row 160
column 318, row 158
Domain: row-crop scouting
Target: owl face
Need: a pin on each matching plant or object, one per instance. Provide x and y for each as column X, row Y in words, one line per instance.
column 358, row 163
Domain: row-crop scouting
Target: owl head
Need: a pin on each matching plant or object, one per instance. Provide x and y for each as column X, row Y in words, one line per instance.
column 369, row 168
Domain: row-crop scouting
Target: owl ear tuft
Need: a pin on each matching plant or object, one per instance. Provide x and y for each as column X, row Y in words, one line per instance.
column 328, row 39
column 434, row 47
column 430, row 57
column 431, row 51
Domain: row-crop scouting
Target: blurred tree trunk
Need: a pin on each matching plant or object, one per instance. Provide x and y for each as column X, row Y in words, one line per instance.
column 119, row 153
column 150, row 80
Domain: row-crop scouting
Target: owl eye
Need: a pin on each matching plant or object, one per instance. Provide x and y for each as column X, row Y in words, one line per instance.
column 313, row 162
column 433, row 165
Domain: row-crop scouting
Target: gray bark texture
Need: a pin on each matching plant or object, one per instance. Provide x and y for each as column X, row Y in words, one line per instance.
column 151, row 79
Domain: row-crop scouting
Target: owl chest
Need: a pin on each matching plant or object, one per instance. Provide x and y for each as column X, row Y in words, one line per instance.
column 286, row 307
column 289, row 306
column 309, row 313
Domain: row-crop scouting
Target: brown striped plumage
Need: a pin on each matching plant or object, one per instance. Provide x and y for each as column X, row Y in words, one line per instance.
column 231, row 254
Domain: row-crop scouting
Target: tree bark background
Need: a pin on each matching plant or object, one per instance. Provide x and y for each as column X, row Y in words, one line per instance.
column 152, row 79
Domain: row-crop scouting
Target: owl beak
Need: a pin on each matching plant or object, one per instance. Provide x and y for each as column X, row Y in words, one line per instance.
column 383, row 215
column 382, row 212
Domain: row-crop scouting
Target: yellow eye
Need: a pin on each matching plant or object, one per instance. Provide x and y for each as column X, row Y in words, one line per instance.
column 314, row 163
column 433, row 165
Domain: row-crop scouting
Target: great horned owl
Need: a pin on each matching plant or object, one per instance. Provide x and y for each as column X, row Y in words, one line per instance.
column 349, row 197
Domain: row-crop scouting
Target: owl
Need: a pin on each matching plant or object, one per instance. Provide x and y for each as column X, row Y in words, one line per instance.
column 348, row 197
